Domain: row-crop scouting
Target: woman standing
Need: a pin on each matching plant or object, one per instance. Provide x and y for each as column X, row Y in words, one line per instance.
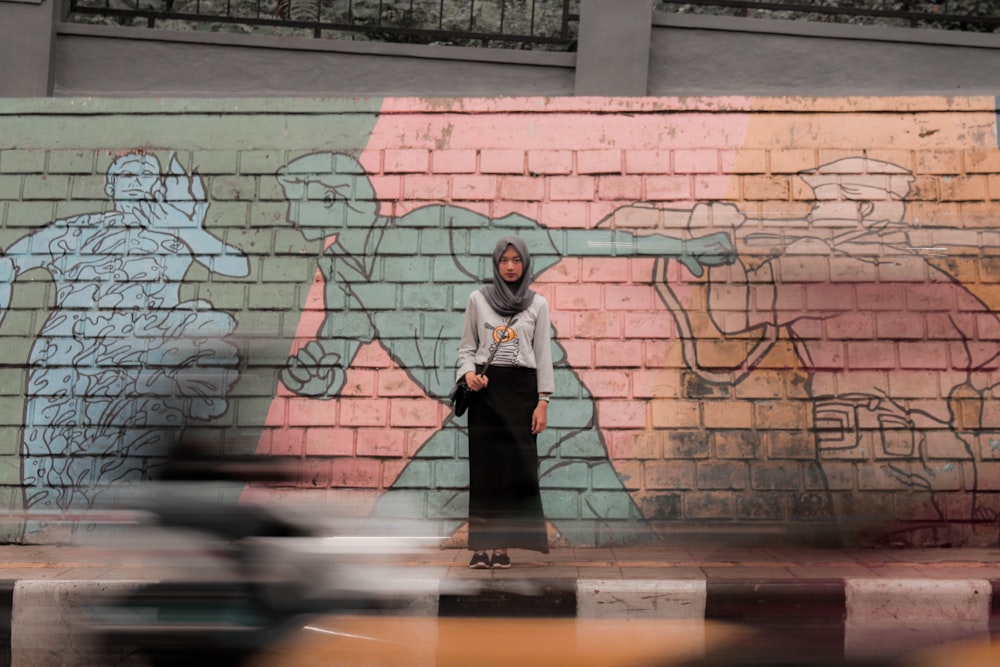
column 508, row 323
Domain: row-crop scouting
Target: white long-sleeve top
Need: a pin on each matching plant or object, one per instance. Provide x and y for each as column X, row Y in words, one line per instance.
column 528, row 346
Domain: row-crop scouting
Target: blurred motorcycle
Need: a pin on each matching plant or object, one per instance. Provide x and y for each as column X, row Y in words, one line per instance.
column 274, row 570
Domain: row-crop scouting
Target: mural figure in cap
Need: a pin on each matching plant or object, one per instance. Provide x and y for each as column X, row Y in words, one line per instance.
column 900, row 356
column 375, row 269
column 122, row 363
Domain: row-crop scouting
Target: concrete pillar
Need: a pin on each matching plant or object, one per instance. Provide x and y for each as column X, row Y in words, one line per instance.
column 27, row 36
column 612, row 55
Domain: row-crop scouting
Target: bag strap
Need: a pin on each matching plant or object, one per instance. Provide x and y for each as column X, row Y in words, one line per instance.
column 496, row 346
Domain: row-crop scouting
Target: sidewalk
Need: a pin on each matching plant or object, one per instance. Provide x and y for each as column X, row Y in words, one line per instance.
column 865, row 601
column 78, row 563
column 54, row 562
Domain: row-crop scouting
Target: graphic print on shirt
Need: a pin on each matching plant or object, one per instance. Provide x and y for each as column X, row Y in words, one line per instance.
column 504, row 336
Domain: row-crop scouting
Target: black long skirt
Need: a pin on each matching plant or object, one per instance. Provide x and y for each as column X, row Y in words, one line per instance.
column 505, row 503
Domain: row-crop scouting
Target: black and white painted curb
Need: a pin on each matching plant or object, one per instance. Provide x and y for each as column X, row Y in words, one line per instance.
column 856, row 618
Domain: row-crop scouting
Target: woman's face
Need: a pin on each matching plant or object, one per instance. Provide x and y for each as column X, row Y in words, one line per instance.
column 511, row 266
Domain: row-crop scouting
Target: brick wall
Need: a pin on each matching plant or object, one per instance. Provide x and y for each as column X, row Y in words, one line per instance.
column 772, row 316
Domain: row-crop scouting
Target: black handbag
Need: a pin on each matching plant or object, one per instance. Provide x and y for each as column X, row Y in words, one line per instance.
column 461, row 395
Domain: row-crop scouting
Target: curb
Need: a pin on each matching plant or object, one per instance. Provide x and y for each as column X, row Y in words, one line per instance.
column 852, row 617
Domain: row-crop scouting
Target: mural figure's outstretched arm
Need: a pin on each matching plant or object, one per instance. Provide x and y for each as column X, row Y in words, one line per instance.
column 698, row 254
column 694, row 253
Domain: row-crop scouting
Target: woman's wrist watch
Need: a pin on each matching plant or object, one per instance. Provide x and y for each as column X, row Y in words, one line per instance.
column 543, row 398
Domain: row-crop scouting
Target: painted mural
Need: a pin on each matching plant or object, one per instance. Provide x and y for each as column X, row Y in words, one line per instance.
column 121, row 364
column 885, row 289
column 781, row 319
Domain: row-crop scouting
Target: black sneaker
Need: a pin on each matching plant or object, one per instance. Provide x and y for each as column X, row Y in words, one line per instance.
column 480, row 561
column 500, row 561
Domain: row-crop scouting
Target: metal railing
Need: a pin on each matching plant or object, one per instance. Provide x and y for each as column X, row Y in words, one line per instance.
column 547, row 24
column 497, row 23
column 968, row 15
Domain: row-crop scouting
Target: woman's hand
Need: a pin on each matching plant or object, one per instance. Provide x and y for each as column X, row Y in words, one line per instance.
column 476, row 381
column 540, row 417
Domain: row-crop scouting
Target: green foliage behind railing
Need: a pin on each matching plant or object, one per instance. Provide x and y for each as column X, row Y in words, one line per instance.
column 967, row 15
column 506, row 23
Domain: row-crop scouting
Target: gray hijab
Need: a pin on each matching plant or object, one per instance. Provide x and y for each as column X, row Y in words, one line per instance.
column 510, row 298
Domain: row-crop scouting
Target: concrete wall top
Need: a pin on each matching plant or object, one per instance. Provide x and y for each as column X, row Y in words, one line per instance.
column 491, row 105
column 717, row 55
column 99, row 60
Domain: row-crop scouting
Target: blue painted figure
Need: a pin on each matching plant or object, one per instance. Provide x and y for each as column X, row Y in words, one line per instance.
column 121, row 363
column 405, row 281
